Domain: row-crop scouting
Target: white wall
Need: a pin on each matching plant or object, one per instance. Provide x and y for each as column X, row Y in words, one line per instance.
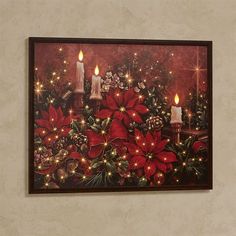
column 124, row 214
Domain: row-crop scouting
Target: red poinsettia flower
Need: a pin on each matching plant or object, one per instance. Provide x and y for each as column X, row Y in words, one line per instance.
column 123, row 105
column 148, row 153
column 97, row 142
column 52, row 126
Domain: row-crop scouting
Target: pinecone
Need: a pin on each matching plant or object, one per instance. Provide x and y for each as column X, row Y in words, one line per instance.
column 60, row 144
column 154, row 123
column 79, row 139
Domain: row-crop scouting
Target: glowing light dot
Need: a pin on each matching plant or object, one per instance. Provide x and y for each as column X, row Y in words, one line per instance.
column 73, row 171
column 135, row 164
column 137, row 151
column 124, row 157
column 46, row 184
column 62, row 177
column 51, row 81
column 84, row 177
column 53, row 73
column 137, row 137
column 158, row 181
column 64, row 70
column 69, row 83
column 165, row 159
column 119, row 164
column 168, row 140
column 109, row 173
column 49, row 139
column 175, row 169
column 170, row 72
column 149, row 167
column 56, row 137
column 40, row 148
column 60, row 49
column 184, row 164
column 62, row 130
column 57, row 161
column 129, row 80
column 58, row 77
column 90, row 168
column 39, row 167
column 140, row 96
column 64, row 62
column 105, row 144
column 177, row 181
column 200, row 159
column 143, row 144
column 127, row 75
column 117, row 94
column 122, row 109
column 36, row 68
column 133, row 114
column 86, row 107
column 83, row 122
column 97, row 120
column 144, row 80
column 152, row 144
column 103, row 132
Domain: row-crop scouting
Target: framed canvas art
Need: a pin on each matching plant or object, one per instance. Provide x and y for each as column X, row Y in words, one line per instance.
column 119, row 115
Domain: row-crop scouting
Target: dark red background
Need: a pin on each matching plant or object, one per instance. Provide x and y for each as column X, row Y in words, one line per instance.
column 182, row 63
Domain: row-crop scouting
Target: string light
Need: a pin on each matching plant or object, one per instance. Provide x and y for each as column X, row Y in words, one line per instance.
column 82, row 122
column 84, row 177
column 105, row 144
column 86, row 107
column 109, row 173
column 122, row 109
column 103, row 132
column 184, row 164
column 64, row 70
column 58, row 77
column 36, row 68
column 46, row 184
column 60, row 49
column 83, row 160
column 135, row 164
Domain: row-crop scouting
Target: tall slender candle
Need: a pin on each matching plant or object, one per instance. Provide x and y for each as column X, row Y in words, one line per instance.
column 96, row 85
column 176, row 112
column 79, row 86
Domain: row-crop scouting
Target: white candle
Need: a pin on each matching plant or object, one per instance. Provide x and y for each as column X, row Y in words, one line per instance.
column 79, row 85
column 176, row 112
column 96, row 86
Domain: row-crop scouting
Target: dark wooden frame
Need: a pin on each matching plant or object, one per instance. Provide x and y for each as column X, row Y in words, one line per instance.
column 33, row 40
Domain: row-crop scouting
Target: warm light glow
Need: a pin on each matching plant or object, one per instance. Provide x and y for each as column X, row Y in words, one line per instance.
column 80, row 55
column 176, row 99
column 96, row 71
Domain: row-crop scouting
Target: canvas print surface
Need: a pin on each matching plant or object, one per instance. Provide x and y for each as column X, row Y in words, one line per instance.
column 119, row 116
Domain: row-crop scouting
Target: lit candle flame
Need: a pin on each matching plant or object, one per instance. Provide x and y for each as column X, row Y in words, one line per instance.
column 176, row 99
column 80, row 55
column 96, row 71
